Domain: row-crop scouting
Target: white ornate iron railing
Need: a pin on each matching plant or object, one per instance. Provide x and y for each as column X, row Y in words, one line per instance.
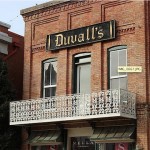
column 109, row 103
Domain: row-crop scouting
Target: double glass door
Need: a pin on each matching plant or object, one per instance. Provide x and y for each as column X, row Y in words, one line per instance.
column 82, row 84
column 84, row 78
column 82, row 75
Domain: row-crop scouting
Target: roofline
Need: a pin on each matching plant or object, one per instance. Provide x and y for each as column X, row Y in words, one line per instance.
column 5, row 25
column 42, row 6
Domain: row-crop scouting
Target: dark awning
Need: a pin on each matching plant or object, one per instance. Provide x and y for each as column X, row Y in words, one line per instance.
column 51, row 137
column 114, row 134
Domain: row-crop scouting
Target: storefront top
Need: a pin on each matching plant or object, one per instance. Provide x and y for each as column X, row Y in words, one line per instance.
column 114, row 134
column 3, row 24
column 45, row 137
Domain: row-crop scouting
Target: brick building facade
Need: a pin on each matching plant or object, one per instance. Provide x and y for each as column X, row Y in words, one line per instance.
column 74, row 97
column 12, row 52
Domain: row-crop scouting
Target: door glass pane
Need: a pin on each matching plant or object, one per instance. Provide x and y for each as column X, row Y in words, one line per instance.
column 114, row 63
column 83, row 60
column 110, row 146
column 83, row 78
column 114, row 83
column 53, row 73
column 123, row 83
column 101, row 146
column 47, row 73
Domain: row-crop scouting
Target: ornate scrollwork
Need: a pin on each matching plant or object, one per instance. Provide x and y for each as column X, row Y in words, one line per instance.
column 77, row 106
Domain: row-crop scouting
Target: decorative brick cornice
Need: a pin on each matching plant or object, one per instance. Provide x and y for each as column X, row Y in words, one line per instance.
column 38, row 47
column 76, row 13
column 126, row 29
column 45, row 21
column 55, row 18
column 111, row 4
column 143, row 110
column 141, row 106
column 56, row 9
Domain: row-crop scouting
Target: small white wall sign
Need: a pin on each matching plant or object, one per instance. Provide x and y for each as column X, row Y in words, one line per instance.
column 129, row 69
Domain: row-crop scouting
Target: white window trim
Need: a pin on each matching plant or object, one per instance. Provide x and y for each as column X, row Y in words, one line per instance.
column 47, row 86
column 119, row 76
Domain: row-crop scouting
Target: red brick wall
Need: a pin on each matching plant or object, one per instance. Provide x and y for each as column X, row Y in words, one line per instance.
column 14, row 61
column 130, row 18
column 130, row 27
column 3, row 29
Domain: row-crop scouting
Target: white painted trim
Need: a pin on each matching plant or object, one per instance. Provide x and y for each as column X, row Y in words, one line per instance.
column 66, row 119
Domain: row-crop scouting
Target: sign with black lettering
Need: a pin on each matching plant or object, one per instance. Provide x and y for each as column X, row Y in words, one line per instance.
column 89, row 34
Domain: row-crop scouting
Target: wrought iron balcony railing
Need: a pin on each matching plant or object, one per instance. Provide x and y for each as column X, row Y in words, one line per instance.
column 109, row 103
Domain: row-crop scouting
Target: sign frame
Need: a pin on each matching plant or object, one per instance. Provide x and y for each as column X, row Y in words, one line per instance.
column 85, row 35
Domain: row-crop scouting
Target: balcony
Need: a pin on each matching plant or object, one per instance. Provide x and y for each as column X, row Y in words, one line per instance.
column 108, row 103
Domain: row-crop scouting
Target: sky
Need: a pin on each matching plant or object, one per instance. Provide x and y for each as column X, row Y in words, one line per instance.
column 10, row 13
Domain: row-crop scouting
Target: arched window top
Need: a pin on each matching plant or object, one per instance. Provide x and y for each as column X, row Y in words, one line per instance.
column 119, row 47
column 82, row 58
column 49, row 60
column 82, row 55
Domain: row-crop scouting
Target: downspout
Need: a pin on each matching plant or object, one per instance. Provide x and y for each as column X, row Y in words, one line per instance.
column 16, row 46
column 147, row 63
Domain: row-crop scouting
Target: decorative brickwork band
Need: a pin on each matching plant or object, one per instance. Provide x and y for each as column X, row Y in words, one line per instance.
column 57, row 9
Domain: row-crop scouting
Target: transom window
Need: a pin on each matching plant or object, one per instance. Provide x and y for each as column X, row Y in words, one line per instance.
column 49, row 77
column 117, row 57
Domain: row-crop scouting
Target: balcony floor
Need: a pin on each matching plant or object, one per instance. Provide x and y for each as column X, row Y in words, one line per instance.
column 103, row 104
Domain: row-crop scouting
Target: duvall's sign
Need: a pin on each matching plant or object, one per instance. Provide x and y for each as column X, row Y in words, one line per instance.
column 89, row 34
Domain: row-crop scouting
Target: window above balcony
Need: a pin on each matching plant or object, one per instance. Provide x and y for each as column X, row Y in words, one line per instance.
column 49, row 77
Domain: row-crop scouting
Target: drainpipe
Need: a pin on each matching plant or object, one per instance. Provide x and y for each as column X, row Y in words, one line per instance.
column 15, row 47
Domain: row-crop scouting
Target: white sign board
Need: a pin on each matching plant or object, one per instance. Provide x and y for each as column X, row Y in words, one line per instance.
column 129, row 69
